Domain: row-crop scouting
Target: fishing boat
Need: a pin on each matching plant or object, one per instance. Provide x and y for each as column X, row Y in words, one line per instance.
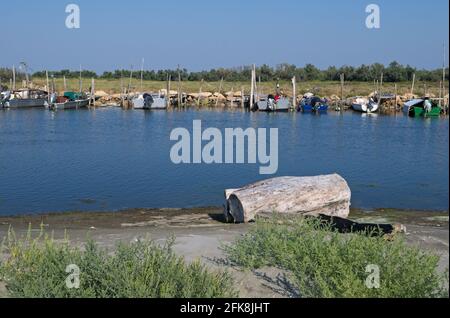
column 271, row 103
column 311, row 104
column 149, row 101
column 417, row 108
column 70, row 100
column 24, row 98
column 365, row 105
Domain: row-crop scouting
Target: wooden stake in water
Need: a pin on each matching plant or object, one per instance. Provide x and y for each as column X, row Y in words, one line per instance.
column 443, row 79
column 142, row 75
column 14, row 78
column 294, row 92
column 342, row 91
column 129, row 83
column 219, row 92
column 48, row 88
column 395, row 98
column 93, row 92
column 252, row 86
column 200, row 92
column 81, row 82
column 179, row 97
column 168, row 90
column 242, row 98
column 413, row 83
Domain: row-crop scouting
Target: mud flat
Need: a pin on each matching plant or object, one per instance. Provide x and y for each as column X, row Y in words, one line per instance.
column 200, row 232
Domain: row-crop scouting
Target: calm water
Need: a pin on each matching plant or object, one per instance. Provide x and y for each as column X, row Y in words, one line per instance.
column 108, row 159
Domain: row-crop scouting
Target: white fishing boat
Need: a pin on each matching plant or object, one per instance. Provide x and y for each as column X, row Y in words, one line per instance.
column 272, row 104
column 365, row 105
column 24, row 98
column 149, row 101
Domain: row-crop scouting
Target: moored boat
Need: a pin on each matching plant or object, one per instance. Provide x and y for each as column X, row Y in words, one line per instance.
column 421, row 107
column 365, row 105
column 70, row 100
column 273, row 103
column 311, row 103
column 149, row 101
column 24, row 98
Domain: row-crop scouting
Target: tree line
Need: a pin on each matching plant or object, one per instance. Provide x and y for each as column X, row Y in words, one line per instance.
column 394, row 72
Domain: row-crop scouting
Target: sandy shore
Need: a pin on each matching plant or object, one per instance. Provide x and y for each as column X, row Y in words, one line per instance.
column 200, row 232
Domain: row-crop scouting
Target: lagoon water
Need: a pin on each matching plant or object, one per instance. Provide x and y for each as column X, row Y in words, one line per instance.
column 111, row 159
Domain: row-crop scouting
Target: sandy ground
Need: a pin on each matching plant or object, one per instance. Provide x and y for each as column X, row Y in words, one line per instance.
column 201, row 232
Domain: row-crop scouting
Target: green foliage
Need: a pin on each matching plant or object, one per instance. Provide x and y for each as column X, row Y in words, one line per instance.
column 324, row 263
column 394, row 72
column 37, row 268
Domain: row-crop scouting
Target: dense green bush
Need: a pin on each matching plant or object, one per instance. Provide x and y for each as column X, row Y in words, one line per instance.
column 37, row 268
column 324, row 263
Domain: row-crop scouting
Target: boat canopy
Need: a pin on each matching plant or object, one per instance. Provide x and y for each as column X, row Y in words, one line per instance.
column 413, row 102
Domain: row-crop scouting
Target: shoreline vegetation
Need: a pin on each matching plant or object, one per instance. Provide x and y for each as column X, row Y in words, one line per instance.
column 120, row 254
column 225, row 86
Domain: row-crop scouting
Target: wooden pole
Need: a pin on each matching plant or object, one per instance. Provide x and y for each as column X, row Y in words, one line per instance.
column 93, row 92
column 380, row 92
column 121, row 89
column 200, row 91
column 294, row 92
column 342, row 91
column 129, row 82
column 413, row 83
column 48, row 87
column 53, row 84
column 168, row 90
column 395, row 98
column 65, row 83
column 260, row 89
column 14, row 78
column 81, row 82
column 180, row 97
column 242, row 98
column 219, row 92
column 252, row 86
column 440, row 94
column 443, row 80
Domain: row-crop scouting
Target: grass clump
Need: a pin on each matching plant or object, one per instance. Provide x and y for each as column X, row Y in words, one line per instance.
column 37, row 268
column 324, row 263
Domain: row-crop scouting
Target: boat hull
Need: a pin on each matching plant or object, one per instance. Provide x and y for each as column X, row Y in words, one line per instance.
column 158, row 103
column 420, row 112
column 282, row 105
column 71, row 104
column 26, row 103
column 365, row 108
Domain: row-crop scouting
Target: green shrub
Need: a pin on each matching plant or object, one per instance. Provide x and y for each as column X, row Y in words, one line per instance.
column 324, row 263
column 37, row 268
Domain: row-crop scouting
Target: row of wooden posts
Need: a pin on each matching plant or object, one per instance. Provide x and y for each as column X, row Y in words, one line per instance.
column 254, row 95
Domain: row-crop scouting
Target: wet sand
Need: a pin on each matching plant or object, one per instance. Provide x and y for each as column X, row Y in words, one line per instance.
column 200, row 232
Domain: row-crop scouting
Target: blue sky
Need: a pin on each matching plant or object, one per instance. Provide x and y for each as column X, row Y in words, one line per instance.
column 204, row 34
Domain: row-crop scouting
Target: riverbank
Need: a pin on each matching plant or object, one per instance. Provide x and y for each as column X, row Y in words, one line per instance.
column 110, row 91
column 200, row 233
